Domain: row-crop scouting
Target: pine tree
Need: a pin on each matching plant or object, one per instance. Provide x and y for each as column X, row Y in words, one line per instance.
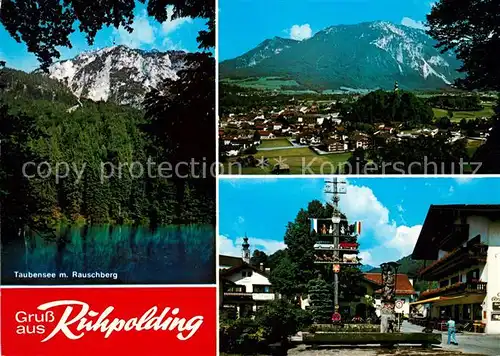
column 321, row 300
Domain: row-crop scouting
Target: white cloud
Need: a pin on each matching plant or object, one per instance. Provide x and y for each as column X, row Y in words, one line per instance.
column 366, row 258
column 170, row 25
column 232, row 247
column 241, row 219
column 405, row 239
column 392, row 241
column 406, row 21
column 300, row 32
column 144, row 33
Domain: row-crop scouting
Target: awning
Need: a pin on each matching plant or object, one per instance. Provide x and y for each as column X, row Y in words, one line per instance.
column 436, row 299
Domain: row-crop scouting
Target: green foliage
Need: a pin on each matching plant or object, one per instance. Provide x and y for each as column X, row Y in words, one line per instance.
column 295, row 268
column 44, row 26
column 258, row 258
column 241, row 336
column 488, row 153
column 104, row 147
column 354, row 328
column 388, row 107
column 321, row 300
column 422, row 155
column 456, row 103
column 284, row 278
column 408, row 266
column 281, row 319
column 470, row 29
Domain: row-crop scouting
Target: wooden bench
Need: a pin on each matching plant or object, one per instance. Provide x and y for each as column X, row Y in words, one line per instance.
column 372, row 338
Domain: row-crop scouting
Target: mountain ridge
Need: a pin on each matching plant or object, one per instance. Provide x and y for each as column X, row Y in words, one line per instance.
column 120, row 74
column 368, row 55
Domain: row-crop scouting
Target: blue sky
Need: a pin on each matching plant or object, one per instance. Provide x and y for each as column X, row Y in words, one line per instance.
column 243, row 24
column 391, row 210
column 148, row 34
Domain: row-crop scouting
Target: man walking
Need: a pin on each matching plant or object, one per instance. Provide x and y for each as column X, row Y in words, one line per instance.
column 451, row 331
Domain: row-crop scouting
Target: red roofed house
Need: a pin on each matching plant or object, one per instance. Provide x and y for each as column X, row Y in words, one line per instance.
column 404, row 290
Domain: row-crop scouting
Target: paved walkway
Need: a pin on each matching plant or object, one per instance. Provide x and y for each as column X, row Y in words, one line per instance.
column 467, row 342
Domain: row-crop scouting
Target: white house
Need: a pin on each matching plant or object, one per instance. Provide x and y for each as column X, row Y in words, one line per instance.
column 464, row 241
column 243, row 288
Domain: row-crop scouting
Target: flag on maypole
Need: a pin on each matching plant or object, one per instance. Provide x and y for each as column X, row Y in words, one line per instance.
column 357, row 228
column 314, row 225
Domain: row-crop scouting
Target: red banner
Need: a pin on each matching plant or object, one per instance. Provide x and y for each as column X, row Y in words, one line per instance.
column 108, row 321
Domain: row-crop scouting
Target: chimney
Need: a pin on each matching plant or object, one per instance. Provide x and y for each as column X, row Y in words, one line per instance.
column 261, row 267
column 267, row 270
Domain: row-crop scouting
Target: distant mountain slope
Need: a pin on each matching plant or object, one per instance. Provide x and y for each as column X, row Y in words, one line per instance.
column 366, row 268
column 363, row 56
column 119, row 74
column 20, row 85
column 408, row 266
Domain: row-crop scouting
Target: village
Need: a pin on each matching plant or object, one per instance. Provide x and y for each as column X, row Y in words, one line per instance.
column 279, row 135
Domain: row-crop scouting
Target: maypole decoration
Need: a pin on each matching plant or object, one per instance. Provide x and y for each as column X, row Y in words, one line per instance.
column 332, row 246
column 387, row 311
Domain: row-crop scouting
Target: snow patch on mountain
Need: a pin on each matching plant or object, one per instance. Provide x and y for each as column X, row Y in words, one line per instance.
column 407, row 43
column 117, row 73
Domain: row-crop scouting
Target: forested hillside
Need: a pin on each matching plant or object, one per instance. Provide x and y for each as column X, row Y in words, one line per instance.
column 102, row 152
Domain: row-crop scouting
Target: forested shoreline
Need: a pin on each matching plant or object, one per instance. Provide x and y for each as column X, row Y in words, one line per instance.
column 42, row 121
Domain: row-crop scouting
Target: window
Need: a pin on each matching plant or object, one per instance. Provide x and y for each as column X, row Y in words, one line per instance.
column 454, row 280
column 236, row 289
column 261, row 289
column 444, row 283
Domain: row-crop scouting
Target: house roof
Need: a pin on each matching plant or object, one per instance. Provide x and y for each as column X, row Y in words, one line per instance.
column 230, row 261
column 403, row 285
column 441, row 217
column 235, row 269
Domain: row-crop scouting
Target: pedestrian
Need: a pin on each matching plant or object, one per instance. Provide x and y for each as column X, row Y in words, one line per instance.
column 451, row 331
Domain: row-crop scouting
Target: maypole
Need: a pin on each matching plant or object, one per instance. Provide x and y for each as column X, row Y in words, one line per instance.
column 330, row 247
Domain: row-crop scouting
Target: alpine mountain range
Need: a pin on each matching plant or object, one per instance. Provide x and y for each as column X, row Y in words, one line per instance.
column 363, row 56
column 119, row 74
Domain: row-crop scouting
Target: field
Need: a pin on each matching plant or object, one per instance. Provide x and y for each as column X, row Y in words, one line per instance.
column 472, row 146
column 266, row 83
column 278, row 142
column 300, row 160
column 459, row 115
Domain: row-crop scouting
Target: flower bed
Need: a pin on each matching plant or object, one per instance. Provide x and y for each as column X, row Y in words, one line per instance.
column 355, row 328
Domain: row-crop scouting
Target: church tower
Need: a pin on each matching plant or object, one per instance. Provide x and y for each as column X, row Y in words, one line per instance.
column 245, row 250
column 396, row 87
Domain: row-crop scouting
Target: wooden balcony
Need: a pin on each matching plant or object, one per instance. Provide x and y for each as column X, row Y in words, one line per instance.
column 460, row 258
column 456, row 288
column 459, row 233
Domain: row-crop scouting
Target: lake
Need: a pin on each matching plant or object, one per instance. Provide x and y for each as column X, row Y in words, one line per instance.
column 113, row 254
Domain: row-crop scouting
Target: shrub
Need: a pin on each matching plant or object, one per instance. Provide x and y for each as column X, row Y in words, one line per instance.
column 243, row 336
column 282, row 319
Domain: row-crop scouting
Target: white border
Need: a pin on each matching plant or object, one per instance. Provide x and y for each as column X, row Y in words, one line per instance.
column 357, row 176
column 217, row 175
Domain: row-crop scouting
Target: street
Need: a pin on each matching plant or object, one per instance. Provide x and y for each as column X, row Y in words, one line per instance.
column 467, row 342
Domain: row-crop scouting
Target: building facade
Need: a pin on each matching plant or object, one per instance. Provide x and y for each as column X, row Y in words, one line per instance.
column 243, row 288
column 405, row 293
column 464, row 242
